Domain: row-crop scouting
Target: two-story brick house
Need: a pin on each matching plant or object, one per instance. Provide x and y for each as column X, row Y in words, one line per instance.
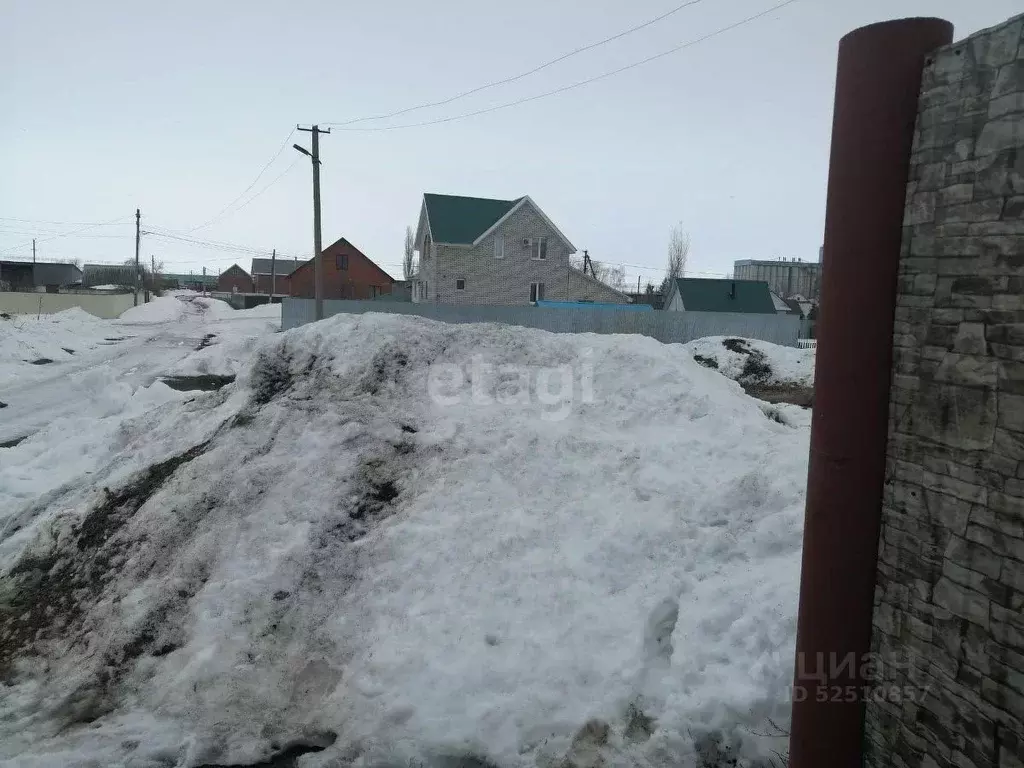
column 477, row 250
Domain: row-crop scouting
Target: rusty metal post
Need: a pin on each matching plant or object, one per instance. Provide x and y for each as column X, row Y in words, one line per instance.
column 877, row 85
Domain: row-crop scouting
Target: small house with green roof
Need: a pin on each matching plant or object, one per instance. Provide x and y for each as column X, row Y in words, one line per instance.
column 476, row 250
column 693, row 294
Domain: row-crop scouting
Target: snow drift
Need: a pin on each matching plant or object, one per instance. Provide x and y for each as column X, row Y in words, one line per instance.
column 398, row 542
column 755, row 361
column 29, row 343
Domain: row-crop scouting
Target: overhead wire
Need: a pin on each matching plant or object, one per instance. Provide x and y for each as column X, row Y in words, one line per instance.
column 180, row 236
column 245, row 191
column 268, row 186
column 571, row 86
column 62, row 223
column 527, row 73
column 66, row 234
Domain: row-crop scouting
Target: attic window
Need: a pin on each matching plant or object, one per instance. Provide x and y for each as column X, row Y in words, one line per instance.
column 341, row 261
column 539, row 248
column 460, row 284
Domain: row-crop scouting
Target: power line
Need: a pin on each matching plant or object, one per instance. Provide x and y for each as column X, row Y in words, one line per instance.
column 253, row 184
column 580, row 83
column 527, row 73
column 61, row 223
column 207, row 244
column 272, row 183
column 65, row 234
column 21, row 233
column 219, row 244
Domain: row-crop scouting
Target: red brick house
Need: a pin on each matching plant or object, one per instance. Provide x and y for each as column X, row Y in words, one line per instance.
column 348, row 274
column 234, row 279
column 273, row 273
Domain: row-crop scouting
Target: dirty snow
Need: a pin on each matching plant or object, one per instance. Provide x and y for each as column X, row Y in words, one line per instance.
column 789, row 365
column 406, row 541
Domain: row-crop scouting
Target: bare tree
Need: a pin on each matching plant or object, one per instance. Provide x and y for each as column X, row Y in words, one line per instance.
column 608, row 274
column 612, row 276
column 124, row 276
column 408, row 268
column 678, row 251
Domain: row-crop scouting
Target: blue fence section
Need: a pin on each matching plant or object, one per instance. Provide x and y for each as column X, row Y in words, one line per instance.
column 667, row 327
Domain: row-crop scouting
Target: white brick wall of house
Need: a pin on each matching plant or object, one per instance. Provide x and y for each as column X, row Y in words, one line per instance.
column 487, row 279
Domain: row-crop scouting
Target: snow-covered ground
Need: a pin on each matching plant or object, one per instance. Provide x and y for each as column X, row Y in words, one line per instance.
column 732, row 357
column 409, row 543
column 71, row 411
column 29, row 344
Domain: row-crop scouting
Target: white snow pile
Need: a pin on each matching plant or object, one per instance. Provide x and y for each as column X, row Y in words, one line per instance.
column 160, row 310
column 71, row 447
column 755, row 362
column 29, row 343
column 397, row 542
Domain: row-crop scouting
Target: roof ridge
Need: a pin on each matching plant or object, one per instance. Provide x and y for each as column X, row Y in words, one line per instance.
column 475, row 197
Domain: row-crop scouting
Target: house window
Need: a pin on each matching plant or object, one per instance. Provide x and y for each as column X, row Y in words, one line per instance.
column 499, row 247
column 539, row 248
column 341, row 261
column 536, row 292
column 460, row 284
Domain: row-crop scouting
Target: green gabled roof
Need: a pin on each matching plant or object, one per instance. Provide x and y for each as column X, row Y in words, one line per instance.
column 461, row 220
column 702, row 295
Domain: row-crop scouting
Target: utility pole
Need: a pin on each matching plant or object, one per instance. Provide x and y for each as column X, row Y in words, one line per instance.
column 204, row 281
column 138, row 223
column 318, row 260
column 273, row 275
column 33, row 250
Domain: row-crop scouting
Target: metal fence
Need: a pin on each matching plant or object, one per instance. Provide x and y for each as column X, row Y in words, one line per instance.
column 667, row 327
column 100, row 304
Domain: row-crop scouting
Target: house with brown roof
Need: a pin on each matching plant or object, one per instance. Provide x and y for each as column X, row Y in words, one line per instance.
column 272, row 275
column 348, row 274
column 234, row 279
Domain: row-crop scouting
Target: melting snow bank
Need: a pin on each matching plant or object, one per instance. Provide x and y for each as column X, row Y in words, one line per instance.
column 767, row 371
column 399, row 542
column 26, row 340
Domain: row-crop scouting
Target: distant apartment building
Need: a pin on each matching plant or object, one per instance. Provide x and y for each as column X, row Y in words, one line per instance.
column 786, row 277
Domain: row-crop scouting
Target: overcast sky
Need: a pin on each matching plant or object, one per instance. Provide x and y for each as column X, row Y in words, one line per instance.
column 175, row 107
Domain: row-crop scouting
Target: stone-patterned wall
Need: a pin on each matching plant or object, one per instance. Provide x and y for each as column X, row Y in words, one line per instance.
column 948, row 630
